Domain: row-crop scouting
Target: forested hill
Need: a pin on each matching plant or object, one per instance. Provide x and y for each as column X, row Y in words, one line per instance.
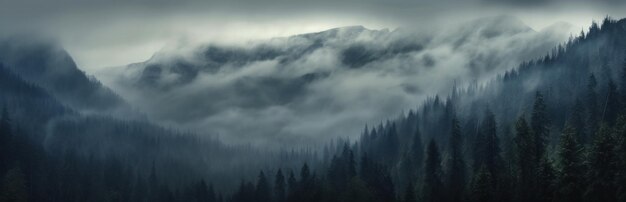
column 42, row 62
column 551, row 129
column 58, row 126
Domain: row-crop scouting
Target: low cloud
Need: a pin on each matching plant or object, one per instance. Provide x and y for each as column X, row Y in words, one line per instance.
column 306, row 89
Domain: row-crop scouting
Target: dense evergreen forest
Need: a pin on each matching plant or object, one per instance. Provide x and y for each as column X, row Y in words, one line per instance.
column 553, row 129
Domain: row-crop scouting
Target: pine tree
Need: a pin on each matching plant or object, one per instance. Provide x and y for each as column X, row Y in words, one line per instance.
column 456, row 165
column 592, row 108
column 262, row 191
column 545, row 183
column 391, row 146
column 5, row 141
column 245, row 192
column 620, row 180
column 279, row 187
column 611, row 105
column 526, row 165
column 413, row 159
column 482, row 188
column 540, row 124
column 432, row 187
column 490, row 145
column 601, row 172
column 577, row 121
column 622, row 89
column 153, row 183
column 293, row 186
column 571, row 172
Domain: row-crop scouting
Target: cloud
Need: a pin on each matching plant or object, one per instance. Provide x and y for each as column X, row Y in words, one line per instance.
column 101, row 33
column 312, row 87
column 248, row 87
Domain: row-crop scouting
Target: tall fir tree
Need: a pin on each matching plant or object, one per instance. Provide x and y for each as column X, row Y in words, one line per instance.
column 482, row 187
column 545, row 183
column 540, row 125
column 601, row 173
column 432, row 187
column 577, row 121
column 571, row 171
column 611, row 105
column 526, row 165
column 455, row 172
column 5, row 141
column 592, row 108
column 413, row 159
column 621, row 158
column 279, row 187
column 262, row 190
column 490, row 145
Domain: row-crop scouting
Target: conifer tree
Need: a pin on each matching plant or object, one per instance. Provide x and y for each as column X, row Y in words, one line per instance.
column 611, row 105
column 455, row 171
column 592, row 108
column 279, row 187
column 490, row 145
column 540, row 125
column 482, row 188
column 432, row 187
column 262, row 191
column 621, row 158
column 526, row 165
column 414, row 158
column 601, row 174
column 5, row 140
column 571, row 173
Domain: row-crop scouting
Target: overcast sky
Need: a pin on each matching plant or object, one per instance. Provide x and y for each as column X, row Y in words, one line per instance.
column 101, row 33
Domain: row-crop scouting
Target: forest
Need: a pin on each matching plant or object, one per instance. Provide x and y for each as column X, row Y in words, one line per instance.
column 552, row 129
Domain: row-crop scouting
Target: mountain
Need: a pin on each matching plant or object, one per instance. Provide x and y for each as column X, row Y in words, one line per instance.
column 63, row 114
column 44, row 63
column 550, row 129
column 353, row 74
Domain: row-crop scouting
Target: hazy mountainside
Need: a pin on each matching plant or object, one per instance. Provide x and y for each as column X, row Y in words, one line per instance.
column 45, row 63
column 55, row 106
column 317, row 86
column 581, row 83
column 552, row 129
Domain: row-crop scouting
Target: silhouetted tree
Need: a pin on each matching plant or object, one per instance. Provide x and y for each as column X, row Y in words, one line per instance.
column 432, row 187
column 540, row 125
column 601, row 167
column 455, row 172
column 263, row 191
column 482, row 188
column 526, row 164
column 279, row 187
column 571, row 172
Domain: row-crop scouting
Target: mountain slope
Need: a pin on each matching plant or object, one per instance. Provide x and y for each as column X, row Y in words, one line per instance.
column 352, row 74
column 46, row 64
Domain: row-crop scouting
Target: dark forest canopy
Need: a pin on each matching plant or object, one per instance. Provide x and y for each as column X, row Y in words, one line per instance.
column 553, row 129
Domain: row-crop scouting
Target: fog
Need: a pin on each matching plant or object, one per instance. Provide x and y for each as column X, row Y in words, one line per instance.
column 310, row 88
column 412, row 50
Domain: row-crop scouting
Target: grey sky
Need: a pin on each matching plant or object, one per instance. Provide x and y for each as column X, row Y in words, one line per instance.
column 115, row 33
column 101, row 33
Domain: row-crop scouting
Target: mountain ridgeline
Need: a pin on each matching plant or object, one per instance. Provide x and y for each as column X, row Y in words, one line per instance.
column 299, row 81
column 552, row 129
